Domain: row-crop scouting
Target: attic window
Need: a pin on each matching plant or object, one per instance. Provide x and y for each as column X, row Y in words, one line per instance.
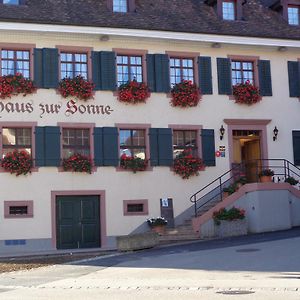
column 293, row 14
column 120, row 6
column 12, row 2
column 228, row 10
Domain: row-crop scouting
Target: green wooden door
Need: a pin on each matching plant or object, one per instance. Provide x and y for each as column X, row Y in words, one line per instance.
column 77, row 222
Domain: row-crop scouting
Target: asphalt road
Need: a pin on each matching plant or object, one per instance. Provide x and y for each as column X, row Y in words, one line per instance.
column 265, row 266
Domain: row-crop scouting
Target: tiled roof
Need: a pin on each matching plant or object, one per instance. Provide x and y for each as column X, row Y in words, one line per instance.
column 193, row 16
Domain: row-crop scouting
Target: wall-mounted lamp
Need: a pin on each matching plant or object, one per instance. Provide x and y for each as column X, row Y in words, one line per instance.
column 216, row 45
column 275, row 133
column 104, row 38
column 222, row 131
column 282, row 49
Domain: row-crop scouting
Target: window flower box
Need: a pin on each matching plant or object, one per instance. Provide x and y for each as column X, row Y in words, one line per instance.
column 246, row 93
column 185, row 94
column 17, row 162
column 15, row 84
column 133, row 92
column 133, row 163
column 77, row 163
column 77, row 87
column 186, row 165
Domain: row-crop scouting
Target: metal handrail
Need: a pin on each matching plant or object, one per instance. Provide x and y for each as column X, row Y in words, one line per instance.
column 217, row 189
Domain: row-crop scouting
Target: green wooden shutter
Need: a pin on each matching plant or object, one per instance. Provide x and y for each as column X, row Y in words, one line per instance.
column 110, row 146
column 98, row 146
column 38, row 67
column 205, row 77
column 150, row 59
column 294, row 78
column 224, row 76
column 52, row 146
column 39, row 146
column 96, row 71
column 162, row 73
column 296, row 146
column 50, row 67
column 265, row 80
column 161, row 146
column 108, row 70
column 153, row 137
column 208, row 147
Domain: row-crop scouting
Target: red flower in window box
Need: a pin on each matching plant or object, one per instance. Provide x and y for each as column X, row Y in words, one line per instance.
column 185, row 94
column 77, row 163
column 133, row 92
column 14, row 85
column 186, row 165
column 133, row 163
column 17, row 162
column 76, row 87
column 246, row 93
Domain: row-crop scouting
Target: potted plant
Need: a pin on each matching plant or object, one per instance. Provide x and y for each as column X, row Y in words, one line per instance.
column 186, row 165
column 133, row 163
column 17, row 162
column 266, row 175
column 246, row 93
column 133, row 92
column 77, row 163
column 185, row 94
column 241, row 181
column 77, row 87
column 230, row 222
column 158, row 224
column 14, row 85
column 291, row 180
column 229, row 190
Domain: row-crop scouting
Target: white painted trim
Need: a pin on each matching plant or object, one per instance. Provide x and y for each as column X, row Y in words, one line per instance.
column 154, row 34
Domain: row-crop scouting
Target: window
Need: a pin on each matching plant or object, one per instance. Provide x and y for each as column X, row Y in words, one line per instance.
column 129, row 68
column 15, row 61
column 181, row 69
column 241, row 71
column 228, row 10
column 133, row 143
column 73, row 64
column 135, row 207
column 18, row 209
column 185, row 139
column 75, row 141
column 120, row 6
column 12, row 2
column 16, row 139
column 293, row 15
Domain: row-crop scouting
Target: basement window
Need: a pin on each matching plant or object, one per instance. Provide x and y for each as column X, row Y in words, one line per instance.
column 18, row 209
column 135, row 207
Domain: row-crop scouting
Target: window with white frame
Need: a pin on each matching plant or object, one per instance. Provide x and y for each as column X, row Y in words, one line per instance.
column 120, row 6
column 73, row 64
column 15, row 61
column 181, row 69
column 129, row 67
column 293, row 15
column 228, row 10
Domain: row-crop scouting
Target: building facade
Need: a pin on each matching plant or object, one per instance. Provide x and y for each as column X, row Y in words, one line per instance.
column 214, row 44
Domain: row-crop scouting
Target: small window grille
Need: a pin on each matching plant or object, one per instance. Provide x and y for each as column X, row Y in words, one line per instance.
column 18, row 210
column 135, row 207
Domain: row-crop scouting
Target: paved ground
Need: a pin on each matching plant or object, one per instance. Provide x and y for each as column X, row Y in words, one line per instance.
column 258, row 267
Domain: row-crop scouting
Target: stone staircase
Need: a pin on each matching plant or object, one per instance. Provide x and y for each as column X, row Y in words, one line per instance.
column 180, row 233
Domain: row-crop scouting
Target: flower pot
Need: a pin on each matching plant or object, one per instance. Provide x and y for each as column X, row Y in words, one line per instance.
column 266, row 179
column 225, row 194
column 160, row 229
column 231, row 228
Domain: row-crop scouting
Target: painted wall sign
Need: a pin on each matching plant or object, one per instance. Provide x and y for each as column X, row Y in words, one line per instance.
column 45, row 108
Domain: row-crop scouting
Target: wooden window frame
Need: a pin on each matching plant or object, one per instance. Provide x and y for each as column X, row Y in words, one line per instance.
column 191, row 127
column 242, row 70
column 144, row 202
column 19, row 47
column 8, row 204
column 293, row 6
column 238, row 9
column 76, row 50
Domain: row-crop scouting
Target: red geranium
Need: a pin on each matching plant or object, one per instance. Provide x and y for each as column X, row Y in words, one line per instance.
column 133, row 163
column 14, row 85
column 185, row 94
column 17, row 162
column 133, row 92
column 246, row 93
column 186, row 165
column 77, row 163
column 77, row 87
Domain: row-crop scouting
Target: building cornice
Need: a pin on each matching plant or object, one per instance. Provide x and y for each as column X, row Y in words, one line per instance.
column 150, row 34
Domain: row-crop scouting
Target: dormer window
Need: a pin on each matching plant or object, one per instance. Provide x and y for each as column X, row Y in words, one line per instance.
column 120, row 6
column 293, row 15
column 228, row 10
column 11, row 2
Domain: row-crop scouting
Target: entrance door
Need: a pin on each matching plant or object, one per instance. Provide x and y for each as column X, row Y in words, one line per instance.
column 77, row 222
column 246, row 151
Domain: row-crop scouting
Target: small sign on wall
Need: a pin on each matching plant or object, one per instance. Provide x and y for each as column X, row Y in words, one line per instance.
column 221, row 151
